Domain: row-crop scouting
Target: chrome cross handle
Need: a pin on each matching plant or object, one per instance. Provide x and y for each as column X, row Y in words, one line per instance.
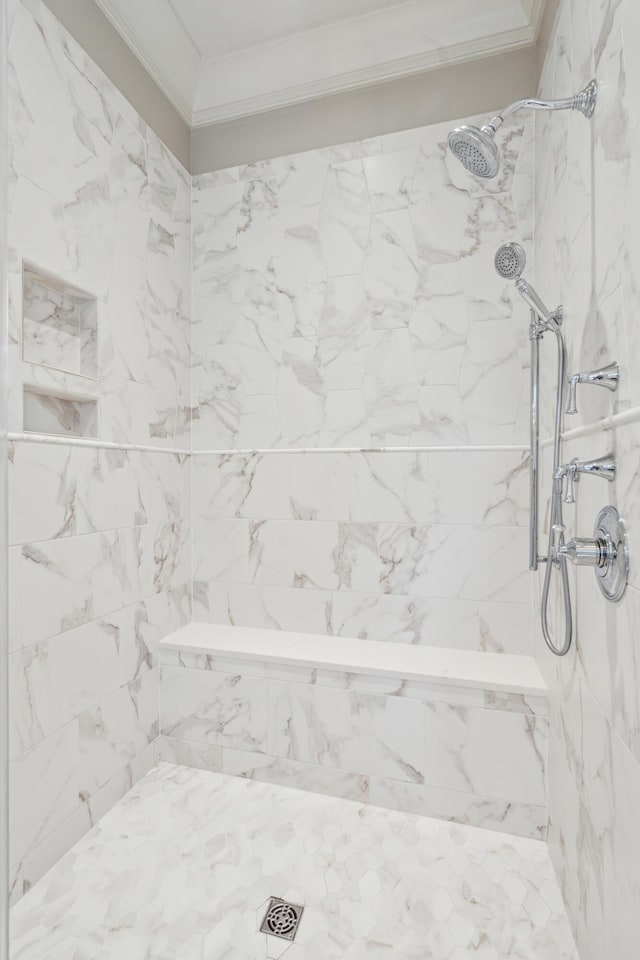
column 608, row 377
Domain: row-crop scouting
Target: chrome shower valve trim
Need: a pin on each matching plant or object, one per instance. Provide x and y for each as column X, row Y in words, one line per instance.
column 605, row 467
column 475, row 147
column 607, row 552
column 608, row 377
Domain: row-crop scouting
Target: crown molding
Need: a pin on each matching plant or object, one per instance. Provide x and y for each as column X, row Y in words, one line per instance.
column 368, row 76
column 535, row 17
column 132, row 38
column 193, row 84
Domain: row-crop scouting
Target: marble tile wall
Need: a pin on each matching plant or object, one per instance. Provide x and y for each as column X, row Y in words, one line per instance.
column 346, row 297
column 452, row 752
column 587, row 251
column 113, row 212
column 380, row 545
column 99, row 555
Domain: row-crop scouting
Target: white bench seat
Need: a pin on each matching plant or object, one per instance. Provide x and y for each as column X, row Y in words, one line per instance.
column 500, row 672
column 449, row 733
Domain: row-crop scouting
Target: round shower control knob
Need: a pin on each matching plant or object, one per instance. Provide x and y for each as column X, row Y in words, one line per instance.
column 612, row 577
column 608, row 553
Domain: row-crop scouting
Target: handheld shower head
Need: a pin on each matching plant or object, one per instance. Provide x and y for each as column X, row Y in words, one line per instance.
column 475, row 147
column 510, row 261
column 476, row 150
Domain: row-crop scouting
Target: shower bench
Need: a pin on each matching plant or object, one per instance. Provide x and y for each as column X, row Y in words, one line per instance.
column 448, row 733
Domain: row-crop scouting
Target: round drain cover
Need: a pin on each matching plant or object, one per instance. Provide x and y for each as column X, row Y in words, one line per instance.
column 281, row 919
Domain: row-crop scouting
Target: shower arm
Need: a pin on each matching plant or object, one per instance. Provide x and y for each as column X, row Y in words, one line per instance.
column 584, row 102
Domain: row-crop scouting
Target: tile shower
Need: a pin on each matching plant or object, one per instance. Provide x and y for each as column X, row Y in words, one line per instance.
column 309, row 414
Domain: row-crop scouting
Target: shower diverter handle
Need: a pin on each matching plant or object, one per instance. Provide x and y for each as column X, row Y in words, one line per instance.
column 608, row 377
column 605, row 467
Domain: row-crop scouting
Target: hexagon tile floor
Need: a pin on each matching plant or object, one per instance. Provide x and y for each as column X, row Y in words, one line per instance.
column 183, row 867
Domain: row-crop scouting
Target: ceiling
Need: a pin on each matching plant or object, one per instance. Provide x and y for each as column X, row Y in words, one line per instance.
column 217, row 60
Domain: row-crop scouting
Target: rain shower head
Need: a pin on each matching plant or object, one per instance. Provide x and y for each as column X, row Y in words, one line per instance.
column 476, row 150
column 475, row 147
column 510, row 261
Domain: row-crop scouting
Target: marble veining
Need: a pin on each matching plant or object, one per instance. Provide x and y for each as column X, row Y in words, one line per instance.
column 340, row 715
column 354, row 298
column 99, row 562
column 586, row 234
column 185, row 863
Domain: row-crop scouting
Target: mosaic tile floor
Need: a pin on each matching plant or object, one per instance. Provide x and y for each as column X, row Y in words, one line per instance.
column 183, row 868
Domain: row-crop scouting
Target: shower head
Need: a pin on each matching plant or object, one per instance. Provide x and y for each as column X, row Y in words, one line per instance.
column 476, row 150
column 510, row 261
column 475, row 147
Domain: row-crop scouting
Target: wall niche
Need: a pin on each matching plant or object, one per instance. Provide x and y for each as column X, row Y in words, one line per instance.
column 58, row 414
column 59, row 324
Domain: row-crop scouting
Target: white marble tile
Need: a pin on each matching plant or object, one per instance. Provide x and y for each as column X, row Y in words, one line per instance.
column 491, row 380
column 467, row 750
column 114, row 732
column 291, row 773
column 77, row 579
column 190, row 826
column 301, row 273
column 345, row 218
column 190, row 753
column 390, row 271
column 440, row 418
column 390, row 179
column 359, row 733
column 301, row 393
column 497, row 494
column 621, row 931
column 277, row 608
column 214, row 708
column 447, row 561
column 344, row 333
column 259, row 423
column 54, row 682
column 585, row 183
column 469, row 625
column 45, row 789
column 344, row 423
column 285, row 553
column 439, row 324
column 326, row 486
column 521, row 819
column 220, row 550
column 43, row 492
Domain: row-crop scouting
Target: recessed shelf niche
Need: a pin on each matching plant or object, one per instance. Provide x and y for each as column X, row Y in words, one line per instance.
column 62, row 415
column 59, row 324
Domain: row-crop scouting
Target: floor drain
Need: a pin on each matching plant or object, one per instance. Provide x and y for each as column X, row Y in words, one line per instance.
column 282, row 919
